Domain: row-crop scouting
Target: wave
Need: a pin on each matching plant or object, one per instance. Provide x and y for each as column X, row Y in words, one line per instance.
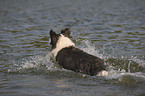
column 115, row 66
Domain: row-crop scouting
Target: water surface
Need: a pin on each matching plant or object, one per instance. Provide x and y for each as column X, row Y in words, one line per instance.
column 112, row 30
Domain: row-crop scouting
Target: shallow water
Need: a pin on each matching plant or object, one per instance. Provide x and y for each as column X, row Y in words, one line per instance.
column 112, row 30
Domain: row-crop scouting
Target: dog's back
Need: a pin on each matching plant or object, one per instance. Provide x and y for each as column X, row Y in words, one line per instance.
column 79, row 61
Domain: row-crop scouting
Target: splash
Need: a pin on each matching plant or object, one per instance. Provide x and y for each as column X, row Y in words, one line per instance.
column 34, row 63
column 138, row 60
column 87, row 47
column 116, row 66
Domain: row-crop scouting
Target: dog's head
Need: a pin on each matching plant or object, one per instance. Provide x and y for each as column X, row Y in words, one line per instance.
column 60, row 40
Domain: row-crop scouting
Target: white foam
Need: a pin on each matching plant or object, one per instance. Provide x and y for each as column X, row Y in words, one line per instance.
column 62, row 43
column 32, row 62
column 136, row 59
column 91, row 49
column 111, row 73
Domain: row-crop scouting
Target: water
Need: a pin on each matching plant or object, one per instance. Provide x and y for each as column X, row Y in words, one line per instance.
column 112, row 30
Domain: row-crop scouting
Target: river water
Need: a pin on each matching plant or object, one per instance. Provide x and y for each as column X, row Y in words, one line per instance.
column 113, row 30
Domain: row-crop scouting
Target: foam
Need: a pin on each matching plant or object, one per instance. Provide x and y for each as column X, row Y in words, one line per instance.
column 87, row 47
column 32, row 62
column 109, row 73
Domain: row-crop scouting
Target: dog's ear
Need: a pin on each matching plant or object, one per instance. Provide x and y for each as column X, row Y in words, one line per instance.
column 54, row 38
column 52, row 33
column 66, row 32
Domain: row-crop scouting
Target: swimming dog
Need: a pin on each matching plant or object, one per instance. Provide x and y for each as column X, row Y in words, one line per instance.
column 72, row 58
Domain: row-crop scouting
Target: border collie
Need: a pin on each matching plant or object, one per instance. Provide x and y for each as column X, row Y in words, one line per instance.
column 68, row 56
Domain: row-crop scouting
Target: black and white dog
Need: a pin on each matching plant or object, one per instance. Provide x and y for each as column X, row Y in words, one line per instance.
column 70, row 57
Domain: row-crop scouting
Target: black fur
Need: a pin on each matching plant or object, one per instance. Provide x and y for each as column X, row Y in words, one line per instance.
column 54, row 38
column 74, row 59
column 79, row 61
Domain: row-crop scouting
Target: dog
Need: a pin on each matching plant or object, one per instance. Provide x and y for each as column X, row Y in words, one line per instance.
column 72, row 58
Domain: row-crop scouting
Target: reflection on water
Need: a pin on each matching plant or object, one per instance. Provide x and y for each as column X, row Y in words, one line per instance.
column 112, row 30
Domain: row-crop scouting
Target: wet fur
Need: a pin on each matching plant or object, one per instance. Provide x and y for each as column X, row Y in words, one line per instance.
column 70, row 57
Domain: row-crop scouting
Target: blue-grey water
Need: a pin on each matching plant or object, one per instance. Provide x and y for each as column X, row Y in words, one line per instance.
column 113, row 30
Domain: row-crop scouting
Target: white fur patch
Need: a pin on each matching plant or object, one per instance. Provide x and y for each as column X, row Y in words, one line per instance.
column 62, row 43
column 103, row 73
